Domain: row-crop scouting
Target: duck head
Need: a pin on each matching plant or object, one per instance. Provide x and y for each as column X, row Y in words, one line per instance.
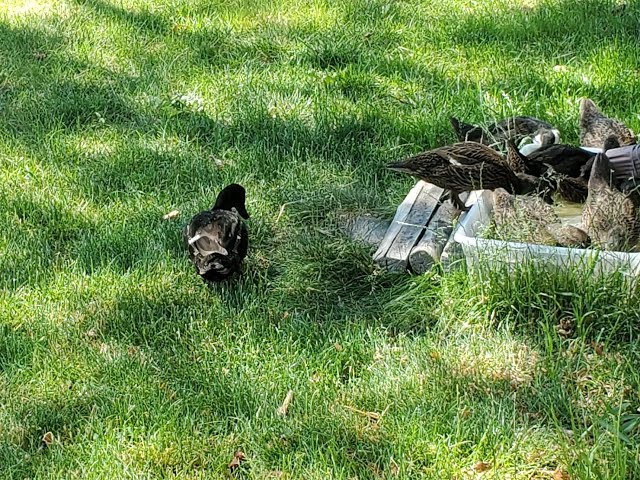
column 232, row 197
column 600, row 171
column 547, row 136
column 416, row 165
column 588, row 109
column 530, row 184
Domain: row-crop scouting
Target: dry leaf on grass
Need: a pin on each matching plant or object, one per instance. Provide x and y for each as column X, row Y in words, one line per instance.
column 482, row 466
column 560, row 475
column 47, row 439
column 238, row 457
column 39, row 55
column 374, row 468
column 394, row 468
column 282, row 410
column 216, row 160
column 338, row 347
column 597, row 348
column 171, row 214
column 465, row 412
column 373, row 416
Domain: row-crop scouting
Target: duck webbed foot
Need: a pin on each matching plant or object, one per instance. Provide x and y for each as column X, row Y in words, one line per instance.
column 455, row 200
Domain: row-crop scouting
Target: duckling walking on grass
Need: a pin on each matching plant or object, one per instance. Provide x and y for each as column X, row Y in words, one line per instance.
column 217, row 240
column 463, row 167
column 595, row 127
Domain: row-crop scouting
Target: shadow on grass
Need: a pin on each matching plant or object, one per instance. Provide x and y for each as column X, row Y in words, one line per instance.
column 307, row 287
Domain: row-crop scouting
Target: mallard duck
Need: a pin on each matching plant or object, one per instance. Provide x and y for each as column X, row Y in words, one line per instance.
column 595, row 127
column 565, row 159
column 528, row 219
column 217, row 239
column 519, row 163
column 631, row 188
column 610, row 142
column 576, row 189
column 569, row 236
column 464, row 167
column 515, row 128
column 516, row 160
column 571, row 189
column 609, row 216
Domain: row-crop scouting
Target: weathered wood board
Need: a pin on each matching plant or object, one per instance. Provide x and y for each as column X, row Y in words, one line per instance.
column 452, row 254
column 366, row 229
column 429, row 248
column 407, row 226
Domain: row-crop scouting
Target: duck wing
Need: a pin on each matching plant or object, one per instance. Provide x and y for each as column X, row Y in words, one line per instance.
column 520, row 125
column 565, row 159
column 471, row 153
column 217, row 242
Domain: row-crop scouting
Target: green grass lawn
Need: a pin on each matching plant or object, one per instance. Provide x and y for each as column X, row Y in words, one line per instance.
column 114, row 112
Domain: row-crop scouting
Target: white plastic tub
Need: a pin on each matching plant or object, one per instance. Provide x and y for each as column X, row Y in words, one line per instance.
column 497, row 253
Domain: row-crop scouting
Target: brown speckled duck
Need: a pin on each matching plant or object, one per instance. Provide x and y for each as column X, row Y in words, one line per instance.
column 528, row 219
column 464, row 167
column 595, row 127
column 514, row 128
column 609, row 216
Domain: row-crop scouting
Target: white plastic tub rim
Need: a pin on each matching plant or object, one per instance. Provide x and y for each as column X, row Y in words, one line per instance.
column 500, row 253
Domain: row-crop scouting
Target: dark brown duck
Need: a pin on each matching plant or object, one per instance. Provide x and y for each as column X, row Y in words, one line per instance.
column 609, row 216
column 217, row 239
column 464, row 167
column 514, row 128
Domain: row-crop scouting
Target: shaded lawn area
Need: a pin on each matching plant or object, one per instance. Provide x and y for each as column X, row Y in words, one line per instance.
column 114, row 112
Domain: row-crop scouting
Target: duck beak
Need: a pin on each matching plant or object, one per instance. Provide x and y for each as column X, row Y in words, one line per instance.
column 399, row 167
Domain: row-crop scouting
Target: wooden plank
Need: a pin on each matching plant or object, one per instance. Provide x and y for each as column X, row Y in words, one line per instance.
column 410, row 219
column 452, row 255
column 429, row 248
column 365, row 229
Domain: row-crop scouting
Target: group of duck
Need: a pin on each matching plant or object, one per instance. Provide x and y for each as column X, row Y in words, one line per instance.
column 525, row 181
column 530, row 177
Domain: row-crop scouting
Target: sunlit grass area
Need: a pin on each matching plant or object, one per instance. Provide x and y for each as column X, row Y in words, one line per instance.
column 115, row 112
